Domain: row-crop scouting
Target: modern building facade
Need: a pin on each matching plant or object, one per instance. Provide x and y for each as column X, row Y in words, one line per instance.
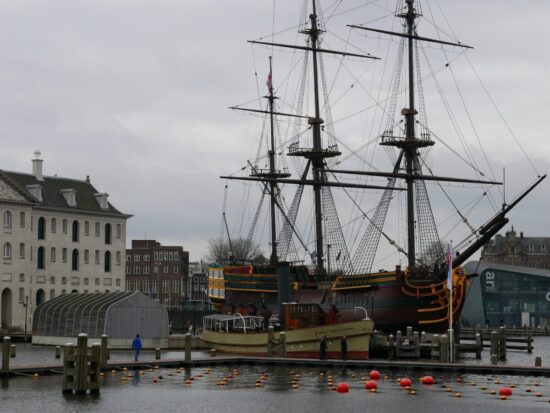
column 514, row 249
column 507, row 295
column 58, row 235
column 158, row 271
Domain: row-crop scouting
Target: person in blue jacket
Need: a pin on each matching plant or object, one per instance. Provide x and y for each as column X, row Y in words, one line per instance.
column 136, row 345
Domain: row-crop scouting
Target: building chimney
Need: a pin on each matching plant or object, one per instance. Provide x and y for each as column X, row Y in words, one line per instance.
column 37, row 166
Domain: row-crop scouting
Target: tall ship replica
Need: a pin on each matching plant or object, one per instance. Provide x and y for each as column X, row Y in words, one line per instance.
column 324, row 268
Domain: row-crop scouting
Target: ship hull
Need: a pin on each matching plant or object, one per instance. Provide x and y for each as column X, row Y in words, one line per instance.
column 301, row 342
column 391, row 299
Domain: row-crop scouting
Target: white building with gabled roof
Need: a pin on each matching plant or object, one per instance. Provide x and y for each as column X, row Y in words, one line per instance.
column 58, row 236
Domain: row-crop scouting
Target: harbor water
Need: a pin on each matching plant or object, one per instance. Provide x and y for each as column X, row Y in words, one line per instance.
column 280, row 389
column 274, row 389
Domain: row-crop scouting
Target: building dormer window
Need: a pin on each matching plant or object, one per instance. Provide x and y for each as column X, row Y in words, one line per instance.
column 70, row 197
column 531, row 247
column 542, row 247
column 102, row 200
column 35, row 191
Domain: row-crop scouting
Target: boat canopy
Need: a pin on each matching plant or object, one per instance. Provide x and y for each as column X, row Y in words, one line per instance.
column 226, row 323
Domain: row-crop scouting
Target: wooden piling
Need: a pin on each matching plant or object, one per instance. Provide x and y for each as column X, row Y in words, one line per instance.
column 270, row 340
column 538, row 361
column 81, row 364
column 502, row 344
column 13, row 351
column 529, row 342
column 157, row 353
column 104, row 351
column 6, row 348
column 416, row 340
column 81, row 369
column 188, row 343
column 494, row 343
column 282, row 344
column 57, row 352
column 494, row 359
column 391, row 347
column 436, row 343
column 479, row 346
column 95, row 369
column 444, row 348
column 69, row 356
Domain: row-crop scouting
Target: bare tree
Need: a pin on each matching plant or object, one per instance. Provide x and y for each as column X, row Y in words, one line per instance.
column 240, row 248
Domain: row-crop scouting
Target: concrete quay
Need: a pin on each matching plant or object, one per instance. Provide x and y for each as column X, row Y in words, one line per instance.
column 233, row 360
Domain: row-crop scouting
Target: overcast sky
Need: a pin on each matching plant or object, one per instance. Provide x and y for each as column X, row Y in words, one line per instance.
column 135, row 93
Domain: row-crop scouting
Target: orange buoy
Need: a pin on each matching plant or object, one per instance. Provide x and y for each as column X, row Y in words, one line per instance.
column 405, row 382
column 342, row 387
column 458, row 394
column 374, row 375
column 371, row 384
column 412, row 392
column 427, row 380
column 505, row 391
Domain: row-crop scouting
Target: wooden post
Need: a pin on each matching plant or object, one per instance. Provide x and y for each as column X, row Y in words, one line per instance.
column 529, row 342
column 13, row 351
column 436, row 355
column 282, row 344
column 398, row 343
column 494, row 359
column 188, row 343
column 270, row 340
column 157, row 353
column 479, row 346
column 416, row 344
column 444, row 348
column 68, row 369
column 391, row 347
column 494, row 343
column 103, row 355
column 6, row 346
column 212, row 352
column 502, row 344
column 95, row 369
column 81, row 364
column 57, row 352
column 538, row 361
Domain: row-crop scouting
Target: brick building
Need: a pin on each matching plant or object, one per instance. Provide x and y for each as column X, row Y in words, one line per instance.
column 158, row 271
column 518, row 250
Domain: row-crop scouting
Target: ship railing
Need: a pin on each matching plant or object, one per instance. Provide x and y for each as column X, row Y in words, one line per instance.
column 363, row 309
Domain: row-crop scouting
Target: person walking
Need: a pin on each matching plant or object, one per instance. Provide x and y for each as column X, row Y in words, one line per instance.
column 323, row 348
column 344, row 347
column 136, row 346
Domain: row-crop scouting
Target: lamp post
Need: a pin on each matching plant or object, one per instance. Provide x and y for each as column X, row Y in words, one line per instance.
column 26, row 305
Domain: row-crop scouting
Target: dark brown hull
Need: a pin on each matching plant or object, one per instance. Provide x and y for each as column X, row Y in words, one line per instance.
column 393, row 303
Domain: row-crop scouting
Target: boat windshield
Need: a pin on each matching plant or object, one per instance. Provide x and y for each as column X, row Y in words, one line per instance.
column 233, row 323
